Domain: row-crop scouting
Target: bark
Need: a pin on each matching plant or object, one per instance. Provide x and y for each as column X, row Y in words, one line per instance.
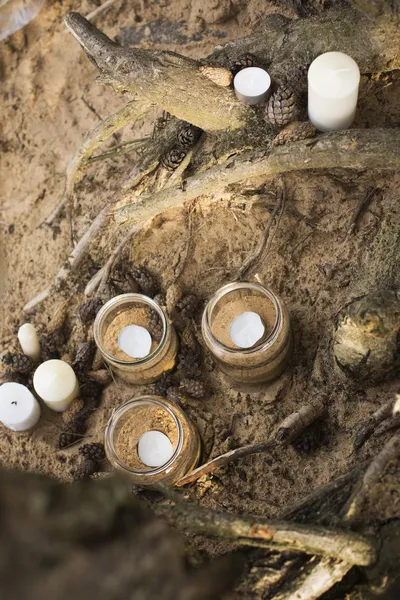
column 176, row 83
column 351, row 149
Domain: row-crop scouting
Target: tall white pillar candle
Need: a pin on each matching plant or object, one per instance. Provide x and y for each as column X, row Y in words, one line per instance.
column 19, row 409
column 56, row 383
column 29, row 341
column 333, row 80
column 252, row 85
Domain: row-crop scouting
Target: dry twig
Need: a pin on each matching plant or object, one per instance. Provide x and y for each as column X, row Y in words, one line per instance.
column 362, row 205
column 367, row 429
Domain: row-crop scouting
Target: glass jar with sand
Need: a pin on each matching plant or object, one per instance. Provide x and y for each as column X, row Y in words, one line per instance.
column 135, row 338
column 152, row 440
column 247, row 329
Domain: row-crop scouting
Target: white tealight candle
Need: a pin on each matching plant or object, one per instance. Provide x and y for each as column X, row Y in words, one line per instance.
column 19, row 409
column 155, row 449
column 56, row 383
column 252, row 85
column 135, row 341
column 29, row 341
column 246, row 329
column 333, row 80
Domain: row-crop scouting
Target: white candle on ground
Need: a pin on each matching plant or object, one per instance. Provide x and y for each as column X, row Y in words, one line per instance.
column 155, row 449
column 333, row 80
column 56, row 383
column 29, row 341
column 135, row 341
column 252, row 85
column 246, row 329
column 19, row 409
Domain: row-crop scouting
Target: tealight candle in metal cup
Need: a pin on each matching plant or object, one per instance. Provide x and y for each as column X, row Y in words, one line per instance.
column 161, row 358
column 270, row 355
column 131, row 421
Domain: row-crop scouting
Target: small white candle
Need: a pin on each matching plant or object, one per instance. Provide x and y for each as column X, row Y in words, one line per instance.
column 333, row 80
column 135, row 341
column 246, row 329
column 19, row 409
column 56, row 383
column 252, row 85
column 155, row 449
column 29, row 341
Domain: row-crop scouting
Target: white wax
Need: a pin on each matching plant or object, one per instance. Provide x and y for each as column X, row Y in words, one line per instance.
column 19, row 409
column 135, row 341
column 252, row 85
column 246, row 329
column 56, row 383
column 29, row 341
column 155, row 449
column 333, row 80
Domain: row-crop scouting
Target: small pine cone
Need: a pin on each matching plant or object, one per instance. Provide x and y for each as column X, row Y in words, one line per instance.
column 123, row 281
column 84, row 358
column 49, row 345
column 188, row 338
column 188, row 136
column 59, row 317
column 187, row 305
column 85, row 469
column 189, row 363
column 72, row 433
column 173, row 158
column 160, row 299
column 163, row 384
column 13, row 378
column 91, row 390
column 281, row 106
column 20, row 363
column 310, row 439
column 298, row 130
column 155, row 325
column 88, row 311
column 176, row 394
column 194, row 388
column 93, row 451
column 73, row 409
column 174, row 294
column 244, row 61
column 145, row 280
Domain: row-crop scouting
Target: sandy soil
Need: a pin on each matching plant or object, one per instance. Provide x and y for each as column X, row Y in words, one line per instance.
column 46, row 83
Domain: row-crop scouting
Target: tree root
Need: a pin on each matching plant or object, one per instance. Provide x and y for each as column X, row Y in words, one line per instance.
column 352, row 510
column 368, row 428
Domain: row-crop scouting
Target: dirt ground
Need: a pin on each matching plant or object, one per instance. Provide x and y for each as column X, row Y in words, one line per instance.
column 49, row 101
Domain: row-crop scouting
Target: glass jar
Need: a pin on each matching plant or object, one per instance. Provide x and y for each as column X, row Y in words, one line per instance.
column 162, row 355
column 151, row 413
column 268, row 358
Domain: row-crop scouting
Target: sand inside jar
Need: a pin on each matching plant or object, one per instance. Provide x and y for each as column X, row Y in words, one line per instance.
column 131, row 316
column 142, row 419
column 225, row 314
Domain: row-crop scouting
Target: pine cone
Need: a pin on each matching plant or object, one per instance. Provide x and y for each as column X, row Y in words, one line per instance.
column 93, row 451
column 72, row 433
column 155, row 325
column 281, row 106
column 194, row 388
column 123, row 281
column 20, row 363
column 298, row 130
column 50, row 343
column 91, row 390
column 59, row 316
column 84, row 358
column 244, row 61
column 188, row 136
column 189, row 363
column 174, row 294
column 310, row 439
column 188, row 338
column 160, row 299
column 88, row 311
column 163, row 384
column 145, row 280
column 85, row 469
column 173, row 158
column 13, row 378
column 187, row 305
column 73, row 410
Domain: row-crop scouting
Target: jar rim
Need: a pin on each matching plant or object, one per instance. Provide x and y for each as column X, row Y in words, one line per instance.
column 105, row 311
column 230, row 287
column 120, row 412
